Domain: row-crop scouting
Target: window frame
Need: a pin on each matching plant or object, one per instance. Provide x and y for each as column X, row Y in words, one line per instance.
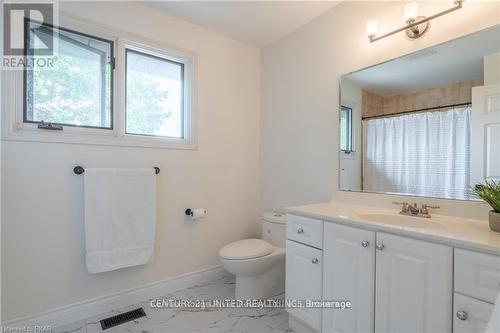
column 15, row 129
column 25, row 74
column 154, row 54
column 349, row 133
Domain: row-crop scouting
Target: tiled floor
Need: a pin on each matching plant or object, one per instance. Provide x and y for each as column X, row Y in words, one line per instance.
column 193, row 320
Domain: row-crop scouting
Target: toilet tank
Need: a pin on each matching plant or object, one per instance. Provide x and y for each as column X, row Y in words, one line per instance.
column 274, row 228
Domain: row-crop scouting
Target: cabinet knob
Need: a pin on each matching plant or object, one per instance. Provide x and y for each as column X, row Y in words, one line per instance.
column 315, row 261
column 380, row 246
column 365, row 243
column 462, row 315
column 300, row 230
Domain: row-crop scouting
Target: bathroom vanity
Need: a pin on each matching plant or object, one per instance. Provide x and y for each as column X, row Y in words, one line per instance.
column 407, row 126
column 428, row 275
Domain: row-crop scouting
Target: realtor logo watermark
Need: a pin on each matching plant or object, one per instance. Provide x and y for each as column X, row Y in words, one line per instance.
column 28, row 34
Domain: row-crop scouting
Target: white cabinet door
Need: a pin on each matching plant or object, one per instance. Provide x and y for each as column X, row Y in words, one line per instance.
column 348, row 274
column 470, row 315
column 477, row 275
column 413, row 285
column 304, row 281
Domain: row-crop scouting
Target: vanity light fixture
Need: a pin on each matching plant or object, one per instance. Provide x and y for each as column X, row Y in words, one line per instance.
column 415, row 26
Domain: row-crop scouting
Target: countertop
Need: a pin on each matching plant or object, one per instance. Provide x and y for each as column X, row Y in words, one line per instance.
column 459, row 232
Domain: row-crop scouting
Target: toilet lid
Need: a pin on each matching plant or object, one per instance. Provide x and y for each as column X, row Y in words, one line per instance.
column 246, row 249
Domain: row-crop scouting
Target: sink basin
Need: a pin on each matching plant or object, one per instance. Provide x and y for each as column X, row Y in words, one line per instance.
column 401, row 220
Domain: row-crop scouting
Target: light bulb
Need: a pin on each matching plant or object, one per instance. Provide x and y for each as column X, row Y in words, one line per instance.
column 411, row 11
column 371, row 28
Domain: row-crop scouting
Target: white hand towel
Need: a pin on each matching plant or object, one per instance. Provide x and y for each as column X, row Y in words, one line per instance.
column 120, row 217
column 494, row 323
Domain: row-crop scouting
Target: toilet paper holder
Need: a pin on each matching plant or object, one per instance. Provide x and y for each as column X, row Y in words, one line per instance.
column 191, row 212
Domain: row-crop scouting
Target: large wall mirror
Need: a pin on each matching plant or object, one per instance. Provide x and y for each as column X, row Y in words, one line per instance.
column 426, row 124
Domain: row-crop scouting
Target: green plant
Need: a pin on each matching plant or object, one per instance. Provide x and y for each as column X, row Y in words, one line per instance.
column 489, row 192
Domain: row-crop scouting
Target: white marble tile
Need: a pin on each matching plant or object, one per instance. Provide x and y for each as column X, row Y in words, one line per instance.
column 77, row 327
column 193, row 320
column 242, row 320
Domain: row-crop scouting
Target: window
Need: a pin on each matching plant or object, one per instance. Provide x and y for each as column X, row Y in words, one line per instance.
column 154, row 95
column 77, row 90
column 103, row 88
column 346, row 129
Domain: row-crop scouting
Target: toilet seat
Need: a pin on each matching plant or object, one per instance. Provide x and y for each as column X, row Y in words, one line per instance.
column 246, row 249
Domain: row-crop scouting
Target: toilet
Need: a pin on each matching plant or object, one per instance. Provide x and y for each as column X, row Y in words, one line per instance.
column 259, row 264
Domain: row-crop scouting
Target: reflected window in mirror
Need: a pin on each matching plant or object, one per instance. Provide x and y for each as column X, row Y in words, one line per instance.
column 346, row 129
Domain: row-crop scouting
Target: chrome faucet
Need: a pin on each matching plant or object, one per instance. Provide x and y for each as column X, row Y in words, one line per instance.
column 413, row 210
column 424, row 211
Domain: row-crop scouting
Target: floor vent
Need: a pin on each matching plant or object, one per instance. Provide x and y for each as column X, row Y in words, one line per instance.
column 122, row 318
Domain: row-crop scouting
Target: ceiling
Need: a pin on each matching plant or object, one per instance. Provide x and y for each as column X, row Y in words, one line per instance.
column 454, row 61
column 258, row 23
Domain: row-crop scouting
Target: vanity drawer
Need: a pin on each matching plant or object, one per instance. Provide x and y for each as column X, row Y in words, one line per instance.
column 477, row 274
column 470, row 315
column 305, row 230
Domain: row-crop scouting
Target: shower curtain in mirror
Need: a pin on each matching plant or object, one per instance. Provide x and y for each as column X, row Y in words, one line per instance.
column 425, row 153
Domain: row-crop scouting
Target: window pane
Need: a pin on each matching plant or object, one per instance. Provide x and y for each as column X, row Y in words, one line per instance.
column 77, row 90
column 345, row 128
column 343, row 122
column 154, row 95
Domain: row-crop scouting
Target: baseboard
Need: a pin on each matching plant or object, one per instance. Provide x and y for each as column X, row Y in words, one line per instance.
column 92, row 307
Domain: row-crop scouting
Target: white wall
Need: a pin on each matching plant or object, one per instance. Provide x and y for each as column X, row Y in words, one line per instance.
column 299, row 117
column 350, row 164
column 43, row 263
column 492, row 69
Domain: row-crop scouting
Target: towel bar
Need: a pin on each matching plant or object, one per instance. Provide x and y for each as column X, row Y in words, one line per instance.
column 79, row 170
